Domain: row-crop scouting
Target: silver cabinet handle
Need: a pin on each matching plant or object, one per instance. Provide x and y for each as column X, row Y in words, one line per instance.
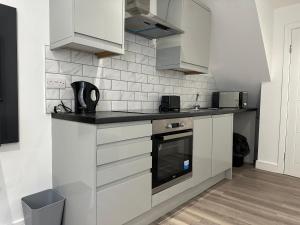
column 175, row 136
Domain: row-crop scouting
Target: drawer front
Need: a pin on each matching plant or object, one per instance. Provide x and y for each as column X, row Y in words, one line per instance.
column 121, row 203
column 122, row 150
column 122, row 169
column 115, row 134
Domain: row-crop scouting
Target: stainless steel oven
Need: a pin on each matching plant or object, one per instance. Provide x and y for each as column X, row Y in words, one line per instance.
column 172, row 153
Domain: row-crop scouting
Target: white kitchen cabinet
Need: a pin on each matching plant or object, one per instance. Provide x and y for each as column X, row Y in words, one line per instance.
column 104, row 171
column 222, row 143
column 95, row 26
column 202, row 145
column 188, row 52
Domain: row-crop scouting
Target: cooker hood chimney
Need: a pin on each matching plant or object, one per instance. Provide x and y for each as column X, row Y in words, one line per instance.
column 139, row 20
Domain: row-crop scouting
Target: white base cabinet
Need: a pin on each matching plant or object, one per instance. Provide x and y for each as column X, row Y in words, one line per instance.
column 95, row 26
column 222, row 143
column 203, row 132
column 103, row 171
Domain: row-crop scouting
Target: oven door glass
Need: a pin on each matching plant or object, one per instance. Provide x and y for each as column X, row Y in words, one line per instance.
column 172, row 156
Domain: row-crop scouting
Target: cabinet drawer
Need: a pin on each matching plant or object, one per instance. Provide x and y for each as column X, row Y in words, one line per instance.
column 122, row 150
column 121, row 203
column 115, row 134
column 117, row 171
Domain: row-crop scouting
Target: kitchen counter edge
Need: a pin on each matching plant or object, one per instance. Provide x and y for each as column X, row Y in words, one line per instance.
column 119, row 117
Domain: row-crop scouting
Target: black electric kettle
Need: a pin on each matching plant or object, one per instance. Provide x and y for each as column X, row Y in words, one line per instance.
column 86, row 97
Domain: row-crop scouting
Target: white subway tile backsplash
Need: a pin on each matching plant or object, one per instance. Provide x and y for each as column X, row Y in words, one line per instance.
column 82, row 57
column 133, row 47
column 80, row 78
column 104, row 106
column 141, row 41
column 147, row 87
column 147, row 105
column 148, row 51
column 128, row 81
column 59, row 54
column 140, row 96
column 119, row 105
column 119, row 64
column 134, row 67
column 92, row 71
column 153, row 79
column 127, row 96
column 128, row 56
column 111, row 74
column 134, row 105
column 52, row 94
column 129, row 37
column 153, row 97
column 105, row 62
column 52, row 66
column 142, row 59
column 66, row 94
column 119, row 85
column 128, row 76
column 105, row 84
column 152, row 61
column 132, row 86
column 148, row 70
column 141, row 78
column 111, row 95
column 71, row 68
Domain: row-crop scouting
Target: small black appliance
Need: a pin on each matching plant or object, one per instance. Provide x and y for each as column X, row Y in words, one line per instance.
column 170, row 103
column 86, row 97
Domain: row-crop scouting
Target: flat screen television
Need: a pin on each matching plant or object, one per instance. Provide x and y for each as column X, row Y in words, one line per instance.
column 9, row 125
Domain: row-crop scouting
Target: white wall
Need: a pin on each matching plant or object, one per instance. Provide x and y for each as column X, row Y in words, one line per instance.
column 238, row 60
column 265, row 12
column 270, row 155
column 25, row 168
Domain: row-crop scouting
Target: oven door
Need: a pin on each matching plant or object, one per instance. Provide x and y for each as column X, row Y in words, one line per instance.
column 172, row 158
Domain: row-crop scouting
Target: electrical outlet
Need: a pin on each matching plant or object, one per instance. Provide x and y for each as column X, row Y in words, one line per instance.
column 55, row 82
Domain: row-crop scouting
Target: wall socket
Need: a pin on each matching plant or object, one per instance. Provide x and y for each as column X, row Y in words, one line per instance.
column 55, row 82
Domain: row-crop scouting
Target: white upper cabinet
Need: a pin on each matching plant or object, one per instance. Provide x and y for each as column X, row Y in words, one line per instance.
column 95, row 26
column 188, row 52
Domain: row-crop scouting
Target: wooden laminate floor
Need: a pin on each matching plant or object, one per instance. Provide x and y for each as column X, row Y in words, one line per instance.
column 253, row 197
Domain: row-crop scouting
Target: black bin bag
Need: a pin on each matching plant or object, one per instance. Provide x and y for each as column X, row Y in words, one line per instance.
column 240, row 149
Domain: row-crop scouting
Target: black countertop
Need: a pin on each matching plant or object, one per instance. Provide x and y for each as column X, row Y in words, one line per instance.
column 118, row 117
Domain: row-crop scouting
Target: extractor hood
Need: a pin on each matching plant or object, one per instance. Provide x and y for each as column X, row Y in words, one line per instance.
column 139, row 20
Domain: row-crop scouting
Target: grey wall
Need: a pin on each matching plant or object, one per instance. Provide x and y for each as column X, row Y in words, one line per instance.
column 126, row 82
column 238, row 58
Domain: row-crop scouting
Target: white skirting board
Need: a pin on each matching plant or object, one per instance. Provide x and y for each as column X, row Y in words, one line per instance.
column 268, row 166
column 174, row 202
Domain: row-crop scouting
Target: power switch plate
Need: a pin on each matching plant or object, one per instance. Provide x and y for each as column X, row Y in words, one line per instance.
column 55, row 82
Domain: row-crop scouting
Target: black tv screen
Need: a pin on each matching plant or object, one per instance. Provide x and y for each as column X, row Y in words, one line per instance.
column 9, row 126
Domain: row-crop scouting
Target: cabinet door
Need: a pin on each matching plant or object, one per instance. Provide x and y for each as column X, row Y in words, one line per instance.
column 222, row 143
column 196, row 37
column 202, row 149
column 100, row 19
column 122, row 202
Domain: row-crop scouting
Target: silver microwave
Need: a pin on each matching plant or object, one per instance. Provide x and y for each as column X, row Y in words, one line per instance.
column 230, row 99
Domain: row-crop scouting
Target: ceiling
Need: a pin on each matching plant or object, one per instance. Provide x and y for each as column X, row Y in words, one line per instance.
column 283, row 3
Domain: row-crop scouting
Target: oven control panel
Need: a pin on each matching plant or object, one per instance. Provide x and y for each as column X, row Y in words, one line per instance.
column 170, row 125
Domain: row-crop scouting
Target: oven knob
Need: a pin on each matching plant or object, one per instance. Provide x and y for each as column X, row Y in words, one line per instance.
column 181, row 124
column 169, row 126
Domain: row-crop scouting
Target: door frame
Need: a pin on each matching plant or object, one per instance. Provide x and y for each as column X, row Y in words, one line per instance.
column 285, row 93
